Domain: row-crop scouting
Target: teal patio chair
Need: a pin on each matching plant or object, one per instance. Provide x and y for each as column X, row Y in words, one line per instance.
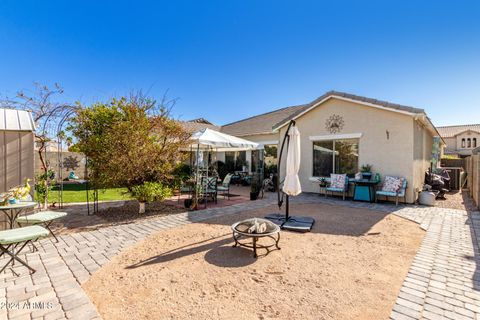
column 400, row 193
column 343, row 190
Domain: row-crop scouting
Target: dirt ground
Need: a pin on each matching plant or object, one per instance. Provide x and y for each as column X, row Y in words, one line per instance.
column 351, row 266
column 457, row 200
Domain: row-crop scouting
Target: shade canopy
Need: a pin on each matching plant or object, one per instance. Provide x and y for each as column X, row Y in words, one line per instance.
column 292, row 186
column 218, row 140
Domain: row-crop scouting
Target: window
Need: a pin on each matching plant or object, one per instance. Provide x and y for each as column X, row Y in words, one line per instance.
column 469, row 143
column 235, row 160
column 335, row 156
column 474, row 142
column 463, row 143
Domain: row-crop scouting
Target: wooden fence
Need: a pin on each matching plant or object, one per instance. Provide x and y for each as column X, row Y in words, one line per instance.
column 473, row 178
column 453, row 163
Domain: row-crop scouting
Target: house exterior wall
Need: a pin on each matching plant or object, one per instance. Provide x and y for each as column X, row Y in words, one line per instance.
column 262, row 138
column 423, row 144
column 16, row 158
column 390, row 155
column 451, row 143
column 466, row 135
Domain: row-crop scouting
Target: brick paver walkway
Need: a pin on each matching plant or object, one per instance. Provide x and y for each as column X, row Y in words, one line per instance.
column 443, row 281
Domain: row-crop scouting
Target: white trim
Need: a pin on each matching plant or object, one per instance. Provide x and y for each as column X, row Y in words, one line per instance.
column 266, row 143
column 344, row 99
column 336, row 136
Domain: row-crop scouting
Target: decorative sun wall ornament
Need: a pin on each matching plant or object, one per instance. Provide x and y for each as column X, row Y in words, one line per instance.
column 334, row 124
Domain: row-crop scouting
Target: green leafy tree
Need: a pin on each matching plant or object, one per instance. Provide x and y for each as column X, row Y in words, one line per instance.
column 129, row 141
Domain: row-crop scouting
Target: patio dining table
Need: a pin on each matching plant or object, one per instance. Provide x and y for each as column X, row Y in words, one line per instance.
column 12, row 211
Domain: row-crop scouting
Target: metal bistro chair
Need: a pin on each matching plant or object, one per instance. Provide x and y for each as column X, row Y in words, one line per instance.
column 209, row 189
column 225, row 186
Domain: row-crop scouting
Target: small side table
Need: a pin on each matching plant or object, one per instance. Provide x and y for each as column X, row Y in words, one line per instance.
column 364, row 190
column 323, row 189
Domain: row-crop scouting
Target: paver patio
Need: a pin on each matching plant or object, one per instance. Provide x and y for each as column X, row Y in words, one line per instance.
column 443, row 280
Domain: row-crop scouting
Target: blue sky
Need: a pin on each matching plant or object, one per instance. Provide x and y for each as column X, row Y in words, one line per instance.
column 226, row 60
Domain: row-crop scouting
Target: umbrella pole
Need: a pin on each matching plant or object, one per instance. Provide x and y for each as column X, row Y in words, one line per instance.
column 287, row 207
column 286, row 139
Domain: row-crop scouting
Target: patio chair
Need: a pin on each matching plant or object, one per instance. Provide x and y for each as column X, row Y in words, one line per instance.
column 387, row 190
column 225, row 186
column 209, row 188
column 45, row 218
column 13, row 241
column 335, row 186
column 185, row 189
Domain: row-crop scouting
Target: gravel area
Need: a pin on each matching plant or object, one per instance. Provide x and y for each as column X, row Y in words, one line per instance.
column 351, row 266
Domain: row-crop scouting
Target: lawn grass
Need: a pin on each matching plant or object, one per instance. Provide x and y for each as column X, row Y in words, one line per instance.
column 77, row 193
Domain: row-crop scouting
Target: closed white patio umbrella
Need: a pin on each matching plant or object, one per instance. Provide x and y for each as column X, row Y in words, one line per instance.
column 292, row 186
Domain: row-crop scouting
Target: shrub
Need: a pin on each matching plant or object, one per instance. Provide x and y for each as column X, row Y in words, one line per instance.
column 180, row 174
column 151, row 191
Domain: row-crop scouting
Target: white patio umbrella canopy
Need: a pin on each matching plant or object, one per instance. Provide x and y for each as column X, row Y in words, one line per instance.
column 291, row 185
column 219, row 141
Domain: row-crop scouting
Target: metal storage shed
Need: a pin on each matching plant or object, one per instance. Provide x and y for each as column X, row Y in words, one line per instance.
column 17, row 142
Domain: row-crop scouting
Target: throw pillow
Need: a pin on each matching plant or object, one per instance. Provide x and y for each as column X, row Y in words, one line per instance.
column 392, row 184
column 337, row 180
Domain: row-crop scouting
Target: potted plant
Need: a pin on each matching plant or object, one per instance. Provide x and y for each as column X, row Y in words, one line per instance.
column 366, row 171
column 187, row 203
column 254, row 187
column 148, row 192
column 322, row 182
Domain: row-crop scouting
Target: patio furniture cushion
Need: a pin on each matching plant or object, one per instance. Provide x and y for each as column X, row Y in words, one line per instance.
column 186, row 189
column 386, row 193
column 22, row 234
column 335, row 189
column 338, row 181
column 392, row 184
column 226, row 180
column 41, row 217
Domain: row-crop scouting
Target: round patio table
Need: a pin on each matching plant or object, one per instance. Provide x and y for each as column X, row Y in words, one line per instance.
column 240, row 230
column 12, row 211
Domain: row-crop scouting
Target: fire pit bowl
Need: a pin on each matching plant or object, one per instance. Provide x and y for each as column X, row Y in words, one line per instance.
column 254, row 229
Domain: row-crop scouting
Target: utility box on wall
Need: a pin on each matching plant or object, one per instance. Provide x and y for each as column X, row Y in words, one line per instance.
column 17, row 142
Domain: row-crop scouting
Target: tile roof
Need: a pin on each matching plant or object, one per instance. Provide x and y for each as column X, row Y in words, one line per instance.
column 385, row 104
column 193, row 126
column 452, row 131
column 266, row 122
column 261, row 124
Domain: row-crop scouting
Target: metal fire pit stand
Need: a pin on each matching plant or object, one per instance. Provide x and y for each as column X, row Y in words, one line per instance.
column 273, row 234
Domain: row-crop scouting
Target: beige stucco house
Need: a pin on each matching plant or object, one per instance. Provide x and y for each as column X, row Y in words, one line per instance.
column 460, row 140
column 341, row 132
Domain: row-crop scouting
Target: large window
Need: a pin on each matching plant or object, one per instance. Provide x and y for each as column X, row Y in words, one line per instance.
column 474, row 143
column 335, row 156
column 235, row 160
